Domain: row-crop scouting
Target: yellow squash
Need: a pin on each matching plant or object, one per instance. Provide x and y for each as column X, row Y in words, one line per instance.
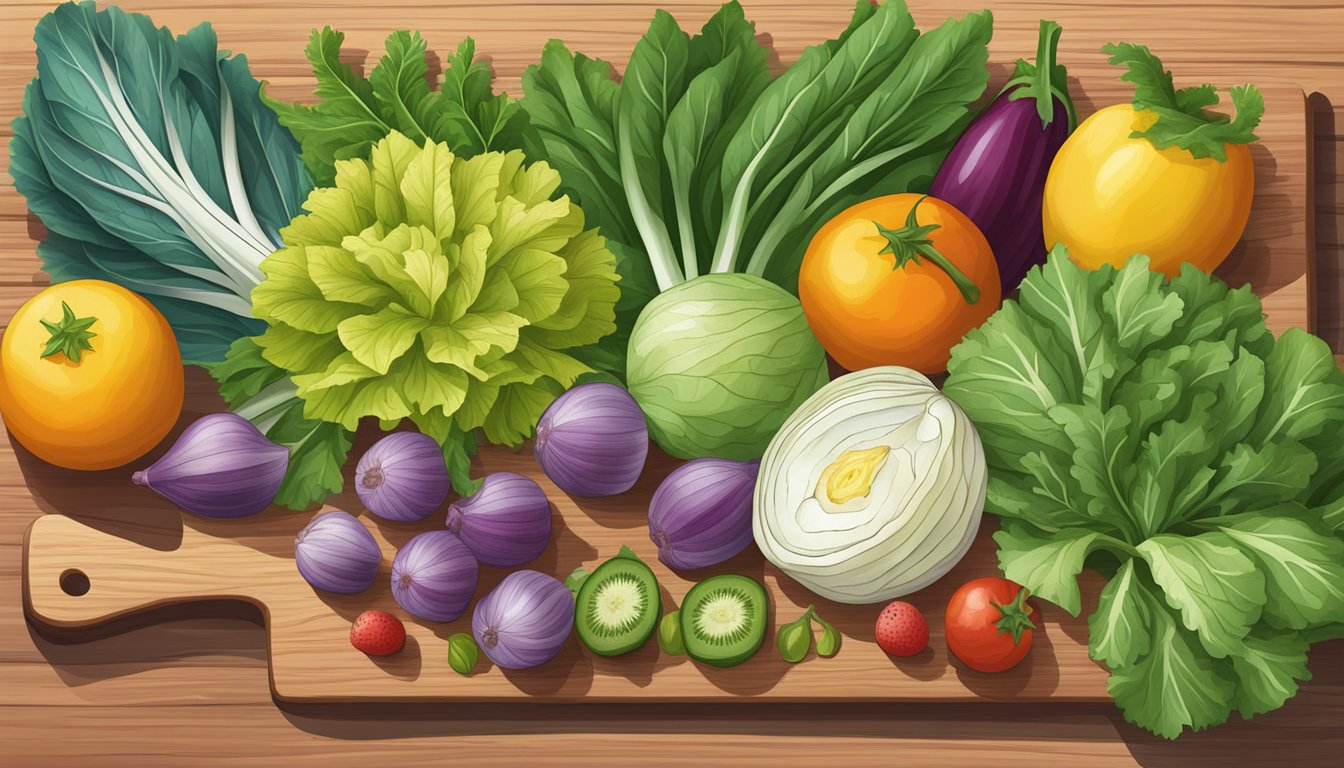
column 1109, row 196
column 90, row 375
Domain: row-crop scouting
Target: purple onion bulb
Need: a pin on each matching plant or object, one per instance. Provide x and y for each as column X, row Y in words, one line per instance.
column 505, row 523
column 221, row 466
column 434, row 576
column 592, row 441
column 525, row 621
column 701, row 513
column 403, row 477
column 336, row 553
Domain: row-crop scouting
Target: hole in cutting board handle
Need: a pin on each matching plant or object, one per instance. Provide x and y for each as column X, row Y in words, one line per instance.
column 74, row 582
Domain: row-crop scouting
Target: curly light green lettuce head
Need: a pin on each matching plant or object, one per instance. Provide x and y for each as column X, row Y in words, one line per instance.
column 438, row 289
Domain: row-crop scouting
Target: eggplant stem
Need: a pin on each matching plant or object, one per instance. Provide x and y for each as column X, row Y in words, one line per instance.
column 1044, row 80
column 911, row 243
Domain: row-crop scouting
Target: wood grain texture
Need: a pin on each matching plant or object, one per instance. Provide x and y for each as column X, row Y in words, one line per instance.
column 190, row 689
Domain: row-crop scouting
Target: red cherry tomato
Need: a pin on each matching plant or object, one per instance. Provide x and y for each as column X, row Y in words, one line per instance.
column 989, row 624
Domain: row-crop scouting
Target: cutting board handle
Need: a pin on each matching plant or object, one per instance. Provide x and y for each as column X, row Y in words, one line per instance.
column 77, row 576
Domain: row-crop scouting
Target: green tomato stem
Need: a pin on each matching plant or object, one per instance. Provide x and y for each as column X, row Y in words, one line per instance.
column 911, row 242
column 1016, row 616
column 70, row 335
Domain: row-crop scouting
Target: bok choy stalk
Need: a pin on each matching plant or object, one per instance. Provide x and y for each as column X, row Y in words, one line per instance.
column 153, row 164
column 708, row 178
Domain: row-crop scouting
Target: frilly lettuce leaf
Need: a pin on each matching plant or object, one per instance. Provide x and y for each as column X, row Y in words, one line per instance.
column 443, row 290
column 1154, row 430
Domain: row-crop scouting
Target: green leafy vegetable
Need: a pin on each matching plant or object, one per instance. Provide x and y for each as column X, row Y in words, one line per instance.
column 428, row 287
column 1181, row 117
column 1155, row 431
column 353, row 113
column 153, row 164
column 698, row 161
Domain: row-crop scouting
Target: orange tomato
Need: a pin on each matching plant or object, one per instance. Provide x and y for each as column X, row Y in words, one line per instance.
column 90, row 375
column 897, row 280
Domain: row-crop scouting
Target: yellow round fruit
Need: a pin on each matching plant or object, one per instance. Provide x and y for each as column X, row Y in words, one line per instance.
column 1109, row 196
column 90, row 375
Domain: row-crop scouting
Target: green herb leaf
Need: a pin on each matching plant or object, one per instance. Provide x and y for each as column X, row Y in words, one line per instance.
column 463, row 653
column 669, row 635
column 345, row 123
column 353, row 114
column 472, row 119
column 1181, row 119
column 794, row 639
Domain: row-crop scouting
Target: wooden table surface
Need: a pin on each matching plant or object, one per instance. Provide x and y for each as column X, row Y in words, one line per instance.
column 190, row 688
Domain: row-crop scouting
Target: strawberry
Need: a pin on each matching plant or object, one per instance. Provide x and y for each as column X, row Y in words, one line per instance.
column 901, row 629
column 377, row 633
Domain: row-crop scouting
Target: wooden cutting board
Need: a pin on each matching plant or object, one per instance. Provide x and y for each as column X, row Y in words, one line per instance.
column 136, row 552
column 312, row 660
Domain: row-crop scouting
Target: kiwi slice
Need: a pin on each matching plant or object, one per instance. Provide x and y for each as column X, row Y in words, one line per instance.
column 618, row 606
column 723, row 620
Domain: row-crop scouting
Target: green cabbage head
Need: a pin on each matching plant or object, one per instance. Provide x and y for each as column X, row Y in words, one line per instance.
column 719, row 362
column 443, row 290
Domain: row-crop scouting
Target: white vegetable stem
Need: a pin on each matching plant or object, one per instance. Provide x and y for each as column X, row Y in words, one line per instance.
column 235, row 243
column 872, row 489
column 652, row 229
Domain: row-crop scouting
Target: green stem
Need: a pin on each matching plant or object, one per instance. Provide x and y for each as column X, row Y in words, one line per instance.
column 1016, row 616
column 1046, row 80
column 911, row 242
column 70, row 335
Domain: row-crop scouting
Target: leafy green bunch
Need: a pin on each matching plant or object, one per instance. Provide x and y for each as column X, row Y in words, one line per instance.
column 1181, row 116
column 428, row 287
column 699, row 161
column 354, row 113
column 1155, row 431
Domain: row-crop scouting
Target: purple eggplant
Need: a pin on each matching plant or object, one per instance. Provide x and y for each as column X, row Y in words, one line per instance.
column 995, row 174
